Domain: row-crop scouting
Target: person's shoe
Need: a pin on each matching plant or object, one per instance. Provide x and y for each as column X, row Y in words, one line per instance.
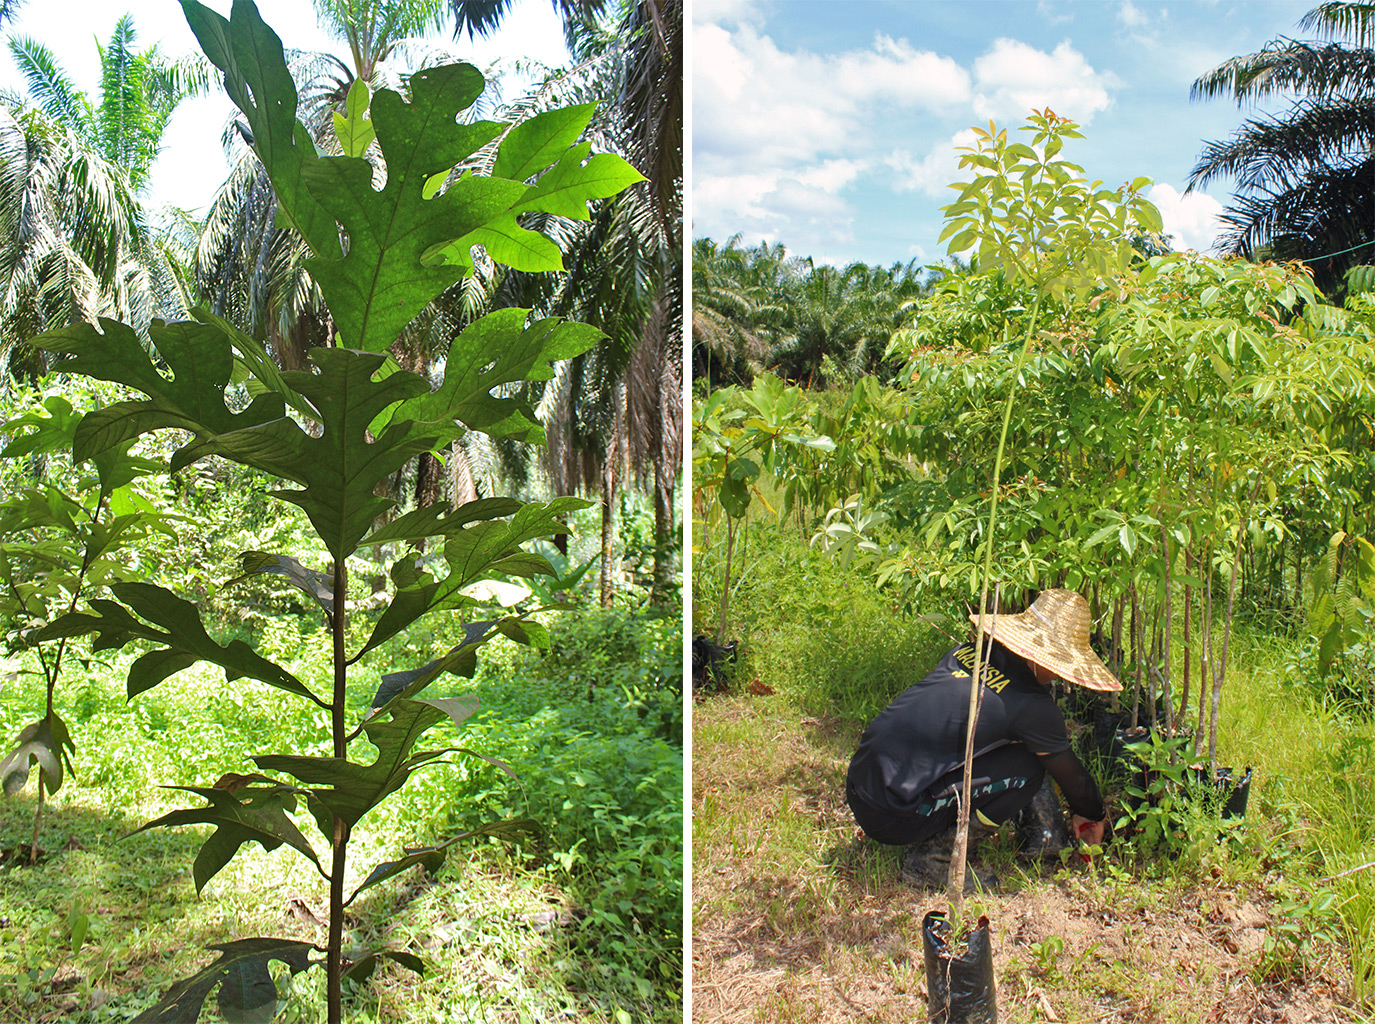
column 926, row 865
column 1042, row 831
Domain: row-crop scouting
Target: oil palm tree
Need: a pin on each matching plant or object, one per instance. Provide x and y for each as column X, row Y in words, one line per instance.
column 840, row 320
column 1306, row 177
column 75, row 241
column 483, row 17
column 618, row 407
column 735, row 309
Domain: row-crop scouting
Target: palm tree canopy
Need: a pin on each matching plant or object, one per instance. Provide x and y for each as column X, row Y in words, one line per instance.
column 372, row 28
column 483, row 17
column 1305, row 178
column 138, row 93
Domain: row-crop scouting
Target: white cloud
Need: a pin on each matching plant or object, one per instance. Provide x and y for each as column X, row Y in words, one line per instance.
column 1054, row 15
column 727, row 12
column 755, row 103
column 1130, row 15
column 1012, row 79
column 1193, row 219
column 756, row 198
column 935, row 171
column 832, row 175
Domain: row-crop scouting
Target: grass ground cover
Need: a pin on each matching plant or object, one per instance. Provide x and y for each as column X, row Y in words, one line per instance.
column 585, row 927
column 795, row 917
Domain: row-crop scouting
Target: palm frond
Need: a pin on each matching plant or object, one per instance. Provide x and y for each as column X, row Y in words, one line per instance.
column 1288, row 66
column 1338, row 19
column 1270, row 151
column 51, row 88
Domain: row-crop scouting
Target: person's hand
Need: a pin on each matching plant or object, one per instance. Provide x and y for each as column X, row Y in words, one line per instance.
column 1090, row 833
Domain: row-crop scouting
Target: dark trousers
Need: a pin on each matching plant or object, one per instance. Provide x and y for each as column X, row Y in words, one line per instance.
column 1004, row 782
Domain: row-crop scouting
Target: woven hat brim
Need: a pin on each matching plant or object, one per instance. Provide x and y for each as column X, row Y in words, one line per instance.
column 1022, row 634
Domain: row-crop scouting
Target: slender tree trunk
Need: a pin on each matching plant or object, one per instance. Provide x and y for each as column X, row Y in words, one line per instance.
column 1117, row 637
column 1153, row 667
column 608, row 585
column 959, row 855
column 663, row 531
column 732, row 525
column 1188, row 648
column 1165, row 679
column 340, row 838
column 1220, row 667
column 1136, row 655
column 1205, row 644
column 1298, row 571
column 610, row 471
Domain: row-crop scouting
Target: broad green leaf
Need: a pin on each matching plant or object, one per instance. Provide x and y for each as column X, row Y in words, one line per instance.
column 432, row 857
column 538, row 141
column 471, row 553
column 315, row 584
column 352, row 128
column 567, row 187
column 735, row 497
column 183, row 639
column 45, row 743
column 437, row 519
column 526, row 632
column 349, row 790
column 258, row 81
column 1149, row 217
column 243, row 966
column 249, row 814
column 379, row 286
column 201, row 363
column 361, row 965
column 519, row 248
column 496, row 350
column 340, row 468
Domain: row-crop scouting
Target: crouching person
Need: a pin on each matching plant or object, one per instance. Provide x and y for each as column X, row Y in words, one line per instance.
column 904, row 780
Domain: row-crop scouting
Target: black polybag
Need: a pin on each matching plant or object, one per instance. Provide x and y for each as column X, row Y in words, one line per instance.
column 1041, row 827
column 959, row 986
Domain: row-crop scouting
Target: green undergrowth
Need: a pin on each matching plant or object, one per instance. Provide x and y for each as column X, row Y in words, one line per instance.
column 835, row 651
column 585, row 925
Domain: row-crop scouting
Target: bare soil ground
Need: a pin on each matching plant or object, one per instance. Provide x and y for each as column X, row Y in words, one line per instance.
column 797, row 917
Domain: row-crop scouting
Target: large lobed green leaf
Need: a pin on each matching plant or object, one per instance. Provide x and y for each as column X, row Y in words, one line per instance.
column 258, row 81
column 496, row 350
column 247, row 990
column 200, row 361
column 406, row 243
column 472, row 553
column 348, row 790
column 45, row 743
column 241, row 814
column 182, row 641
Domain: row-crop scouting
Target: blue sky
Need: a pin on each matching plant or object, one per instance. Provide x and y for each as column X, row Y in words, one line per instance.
column 833, row 127
column 192, row 165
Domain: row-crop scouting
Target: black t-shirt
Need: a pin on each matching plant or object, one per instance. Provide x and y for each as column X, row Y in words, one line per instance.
column 920, row 736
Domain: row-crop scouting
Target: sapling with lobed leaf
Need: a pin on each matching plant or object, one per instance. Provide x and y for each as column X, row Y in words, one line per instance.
column 59, row 545
column 1035, row 221
column 332, row 434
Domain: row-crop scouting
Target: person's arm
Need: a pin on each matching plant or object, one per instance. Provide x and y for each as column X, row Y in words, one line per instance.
column 1081, row 793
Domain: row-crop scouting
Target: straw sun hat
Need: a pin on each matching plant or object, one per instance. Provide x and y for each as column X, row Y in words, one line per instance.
column 1054, row 633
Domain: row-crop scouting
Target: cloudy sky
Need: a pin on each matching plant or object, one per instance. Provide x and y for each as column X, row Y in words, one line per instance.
column 833, row 128
column 192, row 165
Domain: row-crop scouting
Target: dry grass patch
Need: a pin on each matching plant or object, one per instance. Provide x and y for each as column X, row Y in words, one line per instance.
column 798, row 918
